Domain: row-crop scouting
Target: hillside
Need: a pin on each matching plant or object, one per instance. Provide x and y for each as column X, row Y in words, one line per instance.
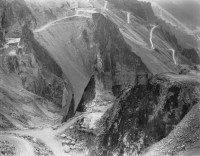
column 95, row 77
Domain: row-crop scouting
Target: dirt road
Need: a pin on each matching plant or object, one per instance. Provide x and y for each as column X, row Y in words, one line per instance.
column 23, row 147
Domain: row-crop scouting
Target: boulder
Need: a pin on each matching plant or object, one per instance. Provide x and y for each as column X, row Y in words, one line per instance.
column 66, row 149
column 63, row 136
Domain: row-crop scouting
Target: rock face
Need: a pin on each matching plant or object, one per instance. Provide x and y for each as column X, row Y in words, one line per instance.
column 15, row 14
column 73, row 49
column 5, row 123
column 62, row 61
column 41, row 71
column 88, row 95
column 40, row 77
column 120, row 66
column 145, row 114
column 57, row 59
column 38, row 72
column 28, row 60
column 93, row 47
column 116, row 66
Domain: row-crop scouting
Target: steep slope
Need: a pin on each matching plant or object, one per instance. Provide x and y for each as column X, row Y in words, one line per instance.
column 183, row 140
column 77, row 49
column 14, row 15
column 137, row 35
column 23, row 109
column 65, row 43
column 25, row 62
column 103, row 82
column 120, row 65
column 165, row 35
column 174, row 30
column 74, row 42
column 145, row 114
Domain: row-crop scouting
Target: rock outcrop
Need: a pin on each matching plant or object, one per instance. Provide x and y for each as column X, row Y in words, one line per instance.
column 93, row 47
column 88, row 95
column 27, row 59
column 120, row 66
column 14, row 15
column 145, row 114
column 38, row 71
column 62, row 62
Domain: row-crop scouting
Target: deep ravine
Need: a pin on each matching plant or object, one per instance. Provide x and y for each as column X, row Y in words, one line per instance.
column 94, row 78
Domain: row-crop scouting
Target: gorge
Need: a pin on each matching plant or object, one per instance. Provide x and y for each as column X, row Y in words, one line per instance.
column 77, row 79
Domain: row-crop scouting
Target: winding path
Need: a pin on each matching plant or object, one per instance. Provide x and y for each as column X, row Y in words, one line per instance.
column 46, row 135
column 151, row 36
column 173, row 56
column 77, row 14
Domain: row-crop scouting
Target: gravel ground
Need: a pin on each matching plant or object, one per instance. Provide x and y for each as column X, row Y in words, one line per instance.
column 7, row 149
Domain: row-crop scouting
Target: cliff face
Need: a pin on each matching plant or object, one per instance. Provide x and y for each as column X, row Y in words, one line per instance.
column 39, row 73
column 86, row 47
column 145, row 114
column 58, row 60
column 30, row 94
column 58, row 66
column 27, row 59
column 120, row 66
column 14, row 16
column 183, row 140
column 88, row 95
column 116, row 66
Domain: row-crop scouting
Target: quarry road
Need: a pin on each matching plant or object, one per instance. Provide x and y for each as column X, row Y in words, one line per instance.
column 77, row 14
column 23, row 147
column 173, row 55
column 151, row 36
column 47, row 136
column 51, row 24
